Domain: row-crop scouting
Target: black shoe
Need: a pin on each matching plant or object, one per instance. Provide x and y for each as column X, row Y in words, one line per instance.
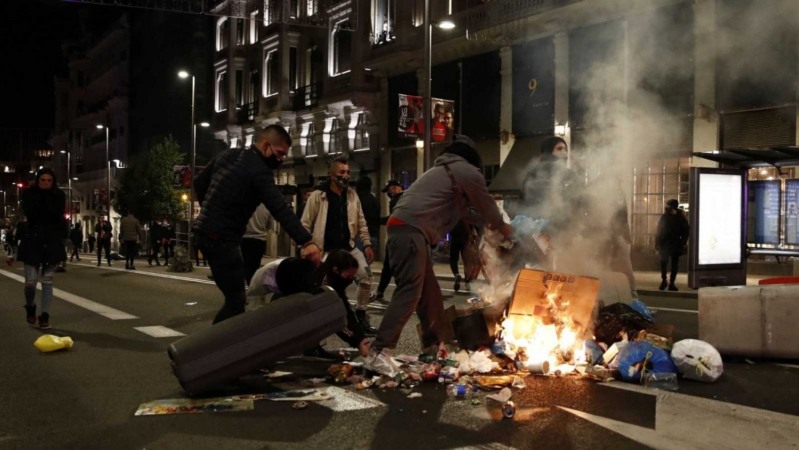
column 109, row 263
column 368, row 329
column 319, row 352
column 457, row 286
column 132, row 267
column 663, row 285
column 44, row 321
column 98, row 264
column 30, row 314
column 672, row 287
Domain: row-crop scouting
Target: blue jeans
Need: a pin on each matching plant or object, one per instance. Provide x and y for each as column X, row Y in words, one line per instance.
column 227, row 267
column 44, row 275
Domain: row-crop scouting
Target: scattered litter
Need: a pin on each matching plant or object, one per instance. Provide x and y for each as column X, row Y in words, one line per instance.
column 508, row 410
column 308, row 395
column 276, row 374
column 193, row 406
column 50, row 343
column 697, row 360
column 190, row 303
column 502, row 396
column 518, row 382
column 415, row 395
column 299, row 405
column 314, row 381
column 475, row 402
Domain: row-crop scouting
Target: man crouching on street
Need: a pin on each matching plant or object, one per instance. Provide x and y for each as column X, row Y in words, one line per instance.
column 453, row 189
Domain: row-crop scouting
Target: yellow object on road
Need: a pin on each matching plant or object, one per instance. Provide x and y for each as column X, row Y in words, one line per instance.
column 51, row 343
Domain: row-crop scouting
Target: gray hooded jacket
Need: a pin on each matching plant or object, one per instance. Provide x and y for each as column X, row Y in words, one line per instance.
column 430, row 204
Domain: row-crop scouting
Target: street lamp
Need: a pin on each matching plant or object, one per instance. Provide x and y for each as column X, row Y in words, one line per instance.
column 5, row 215
column 108, row 175
column 185, row 74
column 18, row 185
column 69, row 181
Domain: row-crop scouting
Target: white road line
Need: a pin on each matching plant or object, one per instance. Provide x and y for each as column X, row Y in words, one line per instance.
column 159, row 331
column 687, row 311
column 151, row 274
column 105, row 311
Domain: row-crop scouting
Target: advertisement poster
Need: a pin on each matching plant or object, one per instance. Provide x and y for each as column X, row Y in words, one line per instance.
column 719, row 233
column 181, row 175
column 411, row 118
column 764, row 212
column 791, row 213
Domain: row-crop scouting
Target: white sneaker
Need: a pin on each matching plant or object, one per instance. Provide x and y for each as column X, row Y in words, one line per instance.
column 382, row 363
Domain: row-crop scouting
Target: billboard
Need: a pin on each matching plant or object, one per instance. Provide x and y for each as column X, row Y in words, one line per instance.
column 791, row 213
column 764, row 212
column 411, row 118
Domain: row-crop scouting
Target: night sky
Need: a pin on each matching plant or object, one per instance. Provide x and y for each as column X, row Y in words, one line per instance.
column 32, row 33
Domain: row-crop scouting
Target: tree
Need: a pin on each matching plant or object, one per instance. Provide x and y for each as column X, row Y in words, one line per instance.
column 147, row 186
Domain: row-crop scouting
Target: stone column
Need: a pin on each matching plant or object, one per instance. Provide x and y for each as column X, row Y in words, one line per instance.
column 706, row 120
column 506, row 103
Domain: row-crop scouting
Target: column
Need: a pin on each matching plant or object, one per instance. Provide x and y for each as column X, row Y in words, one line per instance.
column 506, row 103
column 706, row 124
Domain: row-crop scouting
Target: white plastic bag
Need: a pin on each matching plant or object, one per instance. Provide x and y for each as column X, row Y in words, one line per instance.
column 697, row 360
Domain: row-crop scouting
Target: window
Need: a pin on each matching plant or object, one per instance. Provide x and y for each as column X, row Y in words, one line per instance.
column 240, row 25
column 294, row 9
column 342, row 47
column 311, row 7
column 383, row 21
column 654, row 182
column 253, row 27
column 330, row 137
column 359, row 134
column 271, row 73
column 308, row 140
column 268, row 13
column 293, row 69
column 222, row 33
column 221, row 90
column 239, row 87
column 255, row 86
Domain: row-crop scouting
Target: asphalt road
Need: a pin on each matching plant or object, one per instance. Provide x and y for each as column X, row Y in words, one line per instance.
column 85, row 398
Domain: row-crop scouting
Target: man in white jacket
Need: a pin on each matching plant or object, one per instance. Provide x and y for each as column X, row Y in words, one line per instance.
column 334, row 217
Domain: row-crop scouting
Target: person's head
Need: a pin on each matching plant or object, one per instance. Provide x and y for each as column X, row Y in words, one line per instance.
column 449, row 121
column 339, row 172
column 45, row 179
column 438, row 110
column 393, row 187
column 341, row 265
column 554, row 148
column 295, row 275
column 464, row 147
column 274, row 143
column 672, row 205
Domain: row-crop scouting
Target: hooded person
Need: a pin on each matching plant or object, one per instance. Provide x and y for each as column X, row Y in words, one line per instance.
column 453, row 189
column 670, row 240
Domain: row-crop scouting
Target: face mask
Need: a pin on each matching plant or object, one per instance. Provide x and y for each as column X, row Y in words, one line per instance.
column 342, row 181
column 272, row 162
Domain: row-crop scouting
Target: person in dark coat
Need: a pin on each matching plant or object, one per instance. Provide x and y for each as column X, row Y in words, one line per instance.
column 156, row 234
column 103, row 231
column 671, row 237
column 76, row 236
column 370, row 207
column 42, row 248
column 393, row 190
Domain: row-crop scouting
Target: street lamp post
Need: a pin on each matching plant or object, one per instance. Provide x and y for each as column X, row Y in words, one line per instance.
column 5, row 215
column 69, row 183
column 184, row 74
column 428, row 69
column 108, row 175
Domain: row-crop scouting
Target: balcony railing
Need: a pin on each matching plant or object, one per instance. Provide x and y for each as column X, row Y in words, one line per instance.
column 307, row 96
column 247, row 112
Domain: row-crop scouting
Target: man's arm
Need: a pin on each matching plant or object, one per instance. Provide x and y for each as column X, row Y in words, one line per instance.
column 477, row 197
column 203, row 180
column 272, row 198
column 363, row 227
column 310, row 211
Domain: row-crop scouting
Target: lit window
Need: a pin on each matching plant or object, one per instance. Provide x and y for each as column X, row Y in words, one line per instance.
column 222, row 33
column 330, row 137
column 341, row 43
column 383, row 21
column 307, row 140
column 268, row 17
column 358, row 134
column 311, row 7
column 253, row 27
column 271, row 73
column 221, row 90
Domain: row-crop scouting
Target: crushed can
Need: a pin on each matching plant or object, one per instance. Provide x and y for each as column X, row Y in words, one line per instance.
column 508, row 410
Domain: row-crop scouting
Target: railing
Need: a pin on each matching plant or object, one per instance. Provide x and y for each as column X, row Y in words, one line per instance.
column 247, row 112
column 307, row 96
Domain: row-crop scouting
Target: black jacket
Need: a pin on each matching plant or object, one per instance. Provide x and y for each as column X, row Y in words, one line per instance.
column 229, row 190
column 371, row 211
column 107, row 229
column 76, row 236
column 42, row 241
column 672, row 234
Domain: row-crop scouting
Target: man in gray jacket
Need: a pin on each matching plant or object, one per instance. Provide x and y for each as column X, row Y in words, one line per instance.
column 129, row 230
column 452, row 190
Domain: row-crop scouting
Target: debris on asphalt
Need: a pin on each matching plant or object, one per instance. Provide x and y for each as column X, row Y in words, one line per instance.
column 299, row 405
column 414, row 395
column 508, row 410
column 193, row 406
column 51, row 343
column 501, row 396
column 697, row 360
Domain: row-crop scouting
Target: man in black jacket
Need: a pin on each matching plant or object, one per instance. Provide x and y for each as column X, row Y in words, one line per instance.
column 229, row 189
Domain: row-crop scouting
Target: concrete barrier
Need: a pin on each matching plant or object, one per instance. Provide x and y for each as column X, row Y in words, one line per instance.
column 754, row 321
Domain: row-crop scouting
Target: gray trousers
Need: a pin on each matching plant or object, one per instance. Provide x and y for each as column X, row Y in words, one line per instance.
column 417, row 290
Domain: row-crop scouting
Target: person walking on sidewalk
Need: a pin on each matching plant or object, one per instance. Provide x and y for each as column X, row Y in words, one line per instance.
column 76, row 236
column 229, row 190
column 334, row 217
column 129, row 231
column 103, row 231
column 393, row 190
column 453, row 189
column 156, row 235
column 167, row 240
column 41, row 247
column 671, row 237
column 91, row 239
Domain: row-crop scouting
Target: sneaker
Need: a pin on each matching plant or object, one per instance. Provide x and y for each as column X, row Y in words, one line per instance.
column 30, row 314
column 368, row 329
column 319, row 353
column 457, row 286
column 44, row 321
column 468, row 287
column 663, row 285
column 378, row 297
column 381, row 363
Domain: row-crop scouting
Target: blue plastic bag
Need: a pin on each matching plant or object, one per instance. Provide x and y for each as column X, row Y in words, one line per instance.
column 637, row 358
column 641, row 308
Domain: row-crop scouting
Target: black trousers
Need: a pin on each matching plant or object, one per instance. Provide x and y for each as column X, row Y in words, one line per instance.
column 386, row 274
column 455, row 250
column 103, row 244
column 252, row 250
column 664, row 263
column 154, row 247
column 75, row 253
column 227, row 268
column 130, row 252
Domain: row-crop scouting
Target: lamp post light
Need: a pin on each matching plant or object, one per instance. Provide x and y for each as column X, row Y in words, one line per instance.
column 69, row 182
column 185, row 74
column 18, row 185
column 108, row 175
column 427, row 104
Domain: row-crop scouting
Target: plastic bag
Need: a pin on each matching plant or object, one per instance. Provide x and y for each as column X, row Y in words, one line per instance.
column 637, row 358
column 617, row 318
column 697, row 360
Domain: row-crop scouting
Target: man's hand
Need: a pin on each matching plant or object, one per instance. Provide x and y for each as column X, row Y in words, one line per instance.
column 313, row 253
column 370, row 255
column 364, row 346
column 10, row 260
column 506, row 230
